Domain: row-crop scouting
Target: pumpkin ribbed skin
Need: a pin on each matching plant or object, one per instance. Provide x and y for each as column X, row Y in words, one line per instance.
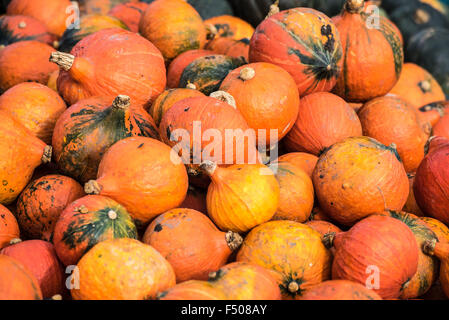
column 35, row 106
column 25, row 61
column 373, row 57
column 441, row 128
column 41, row 259
column 23, row 28
column 304, row 42
column 123, row 269
column 292, row 250
column 25, row 285
column 305, row 161
column 42, row 202
column 359, row 168
column 391, row 120
column 266, row 96
column 339, row 290
column 88, row 221
column 323, row 120
column 230, row 47
column 441, row 251
column 191, row 243
column 130, row 13
column 124, row 62
column 439, row 228
column 230, row 27
column 86, row 130
column 162, row 22
column 9, row 229
column 193, row 290
column 148, row 181
column 378, row 251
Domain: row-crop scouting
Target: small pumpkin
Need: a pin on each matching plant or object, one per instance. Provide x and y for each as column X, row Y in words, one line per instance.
column 229, row 27
column 411, row 206
column 304, row 161
column 195, row 199
column 192, row 290
column 441, row 251
column 191, row 243
column 441, row 128
column 23, row 28
column 129, row 13
column 9, row 228
column 439, row 228
column 35, row 106
column 130, row 270
column 339, row 290
column 230, row 47
column 142, row 174
column 323, row 120
column 88, row 221
column 42, row 202
column 292, row 250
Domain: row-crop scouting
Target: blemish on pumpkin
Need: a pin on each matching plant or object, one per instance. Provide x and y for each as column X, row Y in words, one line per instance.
column 140, row 146
column 5, row 183
column 158, row 228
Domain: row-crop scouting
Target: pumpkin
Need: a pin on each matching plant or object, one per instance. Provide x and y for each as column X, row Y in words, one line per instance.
column 167, row 99
column 323, row 120
column 88, row 221
column 431, row 181
column 245, row 281
column 229, row 27
column 129, row 13
column 319, row 215
column 42, row 202
column 195, row 199
column 304, row 161
column 148, row 181
column 53, row 80
column 441, row 251
column 191, row 243
column 379, row 251
column 296, row 192
column 25, row 61
column 432, row 113
column 100, row 6
column 439, row 228
column 23, row 28
column 323, row 227
column 391, row 120
column 54, row 16
column 35, row 106
column 375, row 53
column 41, row 259
column 9, row 229
column 417, row 87
column 241, row 197
column 208, row 72
column 339, row 290
column 124, row 62
column 193, row 290
column 208, row 8
column 359, row 168
column 293, row 251
column 87, row 129
column 25, row 285
column 304, row 42
column 162, row 22
column 130, row 270
column 230, row 47
column 266, row 96
column 87, row 25
column 22, row 153
column 411, row 206
column 441, row 128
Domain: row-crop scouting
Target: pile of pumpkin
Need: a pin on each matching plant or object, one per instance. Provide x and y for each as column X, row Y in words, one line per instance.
column 96, row 205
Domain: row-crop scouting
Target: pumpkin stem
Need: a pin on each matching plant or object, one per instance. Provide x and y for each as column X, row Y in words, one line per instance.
column 92, row 187
column 15, row 241
column 328, row 240
column 112, row 214
column 211, row 31
column 434, row 248
column 225, row 97
column 354, row 6
column 46, row 157
column 428, row 247
column 233, row 239
column 62, row 59
column 56, row 297
column 208, row 167
column 22, row 25
column 293, row 287
column 274, row 9
column 247, row 74
column 421, row 16
column 121, row 102
column 191, row 86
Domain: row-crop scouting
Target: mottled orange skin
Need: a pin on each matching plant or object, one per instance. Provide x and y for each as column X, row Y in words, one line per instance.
column 323, row 227
column 193, row 290
column 167, row 99
column 123, row 269
column 190, row 242
column 130, row 13
column 323, row 120
column 9, row 228
column 41, row 259
column 441, row 251
column 319, row 215
column 268, row 101
column 391, row 120
column 292, row 250
column 27, row 27
column 439, row 228
column 173, row 26
column 242, row 197
column 195, row 199
column 25, row 61
column 42, row 202
column 305, row 161
column 411, row 206
column 230, row 47
column 148, row 181
column 24, row 285
column 230, row 27
column 35, row 106
column 358, row 177
column 339, row 290
column 441, row 128
column 380, row 241
column 54, row 16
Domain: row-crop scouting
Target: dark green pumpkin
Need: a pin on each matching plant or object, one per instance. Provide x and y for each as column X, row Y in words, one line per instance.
column 208, row 8
column 87, row 129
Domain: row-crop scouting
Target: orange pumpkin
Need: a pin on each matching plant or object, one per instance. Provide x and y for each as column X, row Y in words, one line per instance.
column 25, row 61
column 100, row 6
column 124, row 62
column 35, row 106
column 391, row 120
column 411, row 206
column 22, row 28
column 373, row 57
column 195, row 199
column 305, row 161
column 359, row 168
column 42, row 202
column 319, row 215
column 230, row 47
column 174, row 27
column 323, row 227
column 9, row 229
column 293, row 251
column 191, row 243
column 441, row 128
column 193, row 290
column 323, row 120
column 439, row 228
column 53, row 80
column 142, row 174
column 441, row 251
column 129, row 269
column 266, row 96
column 339, row 290
column 130, row 13
column 229, row 27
